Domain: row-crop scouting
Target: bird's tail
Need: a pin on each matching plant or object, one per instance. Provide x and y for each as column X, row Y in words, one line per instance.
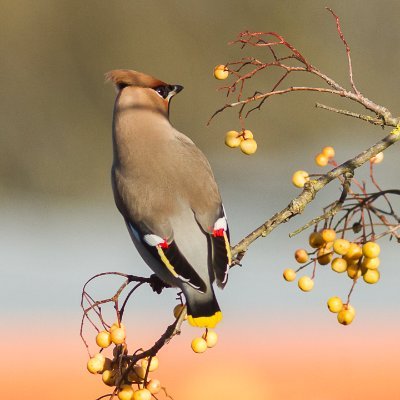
column 202, row 308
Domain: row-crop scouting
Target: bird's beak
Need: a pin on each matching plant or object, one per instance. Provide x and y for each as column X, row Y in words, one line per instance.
column 177, row 88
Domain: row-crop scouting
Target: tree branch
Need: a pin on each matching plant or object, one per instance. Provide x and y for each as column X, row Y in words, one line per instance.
column 310, row 190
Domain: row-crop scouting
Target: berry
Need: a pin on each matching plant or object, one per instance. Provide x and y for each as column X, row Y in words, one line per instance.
column 103, row 339
column 116, row 325
column 210, row 337
column 354, row 252
column 248, row 146
column 141, row 394
column 301, row 256
column 247, row 134
column 371, row 276
column 341, row 246
column 315, row 240
column 370, row 263
column 299, row 178
column 108, row 377
column 221, row 72
column 377, row 159
column 118, row 335
column 139, row 371
column 134, row 377
column 335, row 304
column 289, row 275
column 125, row 393
column 305, row 283
column 353, row 271
column 199, row 345
column 153, row 363
column 371, row 249
column 329, row 235
column 178, row 309
column 339, row 265
column 328, row 152
column 346, row 315
column 95, row 365
column 321, row 160
column 153, row 386
column 233, row 139
column 324, row 256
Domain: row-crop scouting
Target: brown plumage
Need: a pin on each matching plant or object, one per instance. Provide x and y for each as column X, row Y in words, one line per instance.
column 164, row 188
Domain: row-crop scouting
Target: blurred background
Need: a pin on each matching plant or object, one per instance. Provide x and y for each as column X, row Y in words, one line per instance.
column 59, row 225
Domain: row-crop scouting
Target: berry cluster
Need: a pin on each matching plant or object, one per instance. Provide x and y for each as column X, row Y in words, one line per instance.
column 244, row 139
column 343, row 256
column 131, row 382
column 359, row 257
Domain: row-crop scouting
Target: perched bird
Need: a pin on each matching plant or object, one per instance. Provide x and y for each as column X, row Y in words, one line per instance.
column 165, row 190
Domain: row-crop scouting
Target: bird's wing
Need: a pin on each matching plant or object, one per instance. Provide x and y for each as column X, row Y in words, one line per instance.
column 166, row 251
column 207, row 207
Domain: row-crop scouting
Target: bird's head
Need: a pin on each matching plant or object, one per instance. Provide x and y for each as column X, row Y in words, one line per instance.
column 136, row 89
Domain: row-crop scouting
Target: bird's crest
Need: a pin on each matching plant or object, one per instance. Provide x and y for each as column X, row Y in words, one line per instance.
column 127, row 77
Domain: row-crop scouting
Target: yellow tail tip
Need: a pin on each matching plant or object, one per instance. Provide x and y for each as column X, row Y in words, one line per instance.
column 205, row 322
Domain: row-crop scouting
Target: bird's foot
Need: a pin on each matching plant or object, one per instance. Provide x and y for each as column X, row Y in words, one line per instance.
column 157, row 284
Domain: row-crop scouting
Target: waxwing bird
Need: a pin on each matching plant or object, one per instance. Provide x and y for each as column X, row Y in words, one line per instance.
column 165, row 190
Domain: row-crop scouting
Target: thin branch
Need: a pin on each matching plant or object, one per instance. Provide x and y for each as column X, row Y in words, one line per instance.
column 372, row 120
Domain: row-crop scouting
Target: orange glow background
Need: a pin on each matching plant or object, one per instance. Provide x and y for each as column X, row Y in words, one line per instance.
column 257, row 363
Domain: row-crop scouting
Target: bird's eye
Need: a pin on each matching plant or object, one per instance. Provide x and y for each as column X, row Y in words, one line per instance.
column 162, row 91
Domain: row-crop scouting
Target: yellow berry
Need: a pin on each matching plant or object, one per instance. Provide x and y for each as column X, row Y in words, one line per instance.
column 141, row 394
column 153, row 386
column 341, row 246
column 299, row 178
column 108, row 377
column 339, row 265
column 118, row 335
column 95, row 365
column 371, row 249
column 134, row 377
column 103, row 339
column 247, row 134
column 370, row 263
column 210, row 337
column 324, row 256
column 335, row 304
column 125, row 392
column 289, row 275
column 153, row 363
column 221, row 72
column 377, row 159
column 354, row 252
column 353, row 271
column 315, row 240
column 199, row 345
column 301, row 256
column 248, row 146
column 139, row 371
column 371, row 276
column 178, row 309
column 232, row 139
column 329, row 235
column 346, row 315
column 321, row 160
column 328, row 152
column 305, row 283
column 116, row 325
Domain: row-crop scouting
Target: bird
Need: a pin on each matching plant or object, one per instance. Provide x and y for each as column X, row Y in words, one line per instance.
column 165, row 190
